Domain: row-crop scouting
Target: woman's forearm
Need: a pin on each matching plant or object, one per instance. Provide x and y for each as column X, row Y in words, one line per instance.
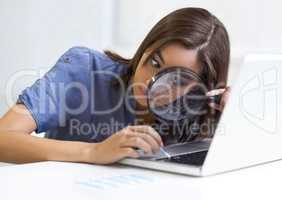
column 24, row 148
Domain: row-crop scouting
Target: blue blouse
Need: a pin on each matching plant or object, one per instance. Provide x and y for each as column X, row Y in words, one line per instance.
column 76, row 100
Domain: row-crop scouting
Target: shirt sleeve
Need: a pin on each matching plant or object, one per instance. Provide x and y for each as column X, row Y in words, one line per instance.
column 47, row 98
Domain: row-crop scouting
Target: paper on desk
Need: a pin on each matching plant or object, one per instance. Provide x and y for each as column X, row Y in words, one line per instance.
column 58, row 180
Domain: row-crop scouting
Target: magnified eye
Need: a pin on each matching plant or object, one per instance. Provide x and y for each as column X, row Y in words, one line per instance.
column 179, row 81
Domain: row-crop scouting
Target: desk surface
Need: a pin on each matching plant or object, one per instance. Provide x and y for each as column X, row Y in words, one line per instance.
column 4, row 164
column 56, row 180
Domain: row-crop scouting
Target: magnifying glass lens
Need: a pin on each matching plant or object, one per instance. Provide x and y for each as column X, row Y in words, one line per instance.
column 176, row 93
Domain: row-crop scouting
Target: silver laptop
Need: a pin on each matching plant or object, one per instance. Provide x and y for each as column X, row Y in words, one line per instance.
column 249, row 131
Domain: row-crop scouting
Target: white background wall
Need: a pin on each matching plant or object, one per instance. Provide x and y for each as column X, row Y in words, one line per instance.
column 253, row 25
column 34, row 33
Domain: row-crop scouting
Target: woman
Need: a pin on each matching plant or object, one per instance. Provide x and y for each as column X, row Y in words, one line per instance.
column 93, row 106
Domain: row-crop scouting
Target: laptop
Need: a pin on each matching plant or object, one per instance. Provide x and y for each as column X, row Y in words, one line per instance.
column 249, row 131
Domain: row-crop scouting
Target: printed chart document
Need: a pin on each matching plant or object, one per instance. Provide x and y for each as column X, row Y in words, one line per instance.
column 59, row 180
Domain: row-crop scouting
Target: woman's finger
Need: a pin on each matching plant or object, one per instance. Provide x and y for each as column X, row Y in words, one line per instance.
column 146, row 137
column 150, row 140
column 215, row 92
column 225, row 94
column 128, row 152
column 138, row 142
column 215, row 106
column 148, row 130
column 224, row 98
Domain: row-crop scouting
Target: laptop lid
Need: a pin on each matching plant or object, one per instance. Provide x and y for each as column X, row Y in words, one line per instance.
column 249, row 131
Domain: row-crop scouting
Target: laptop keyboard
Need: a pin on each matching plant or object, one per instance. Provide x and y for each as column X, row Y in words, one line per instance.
column 197, row 158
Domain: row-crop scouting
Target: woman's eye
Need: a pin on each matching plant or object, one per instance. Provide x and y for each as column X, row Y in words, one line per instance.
column 155, row 63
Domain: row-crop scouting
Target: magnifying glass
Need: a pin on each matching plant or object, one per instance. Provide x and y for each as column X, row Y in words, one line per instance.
column 177, row 93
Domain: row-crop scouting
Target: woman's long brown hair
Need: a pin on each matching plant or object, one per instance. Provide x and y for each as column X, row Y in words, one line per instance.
column 195, row 28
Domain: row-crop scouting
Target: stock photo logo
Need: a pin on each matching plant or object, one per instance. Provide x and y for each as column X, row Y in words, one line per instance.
column 258, row 100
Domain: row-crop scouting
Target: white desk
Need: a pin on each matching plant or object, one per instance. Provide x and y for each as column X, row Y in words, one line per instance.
column 54, row 180
column 4, row 164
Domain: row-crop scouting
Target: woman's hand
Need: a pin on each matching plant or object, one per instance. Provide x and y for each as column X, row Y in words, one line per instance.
column 122, row 144
column 225, row 95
